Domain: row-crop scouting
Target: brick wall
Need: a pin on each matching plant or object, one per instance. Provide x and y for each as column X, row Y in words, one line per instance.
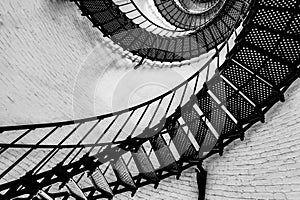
column 44, row 46
column 266, row 165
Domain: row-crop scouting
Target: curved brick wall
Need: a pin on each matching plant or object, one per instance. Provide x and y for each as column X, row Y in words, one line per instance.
column 266, row 165
column 43, row 46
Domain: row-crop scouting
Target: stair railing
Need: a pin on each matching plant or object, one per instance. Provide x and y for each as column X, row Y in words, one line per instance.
column 106, row 140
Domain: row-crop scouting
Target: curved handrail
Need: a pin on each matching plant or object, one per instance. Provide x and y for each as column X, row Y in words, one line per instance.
column 101, row 117
column 61, row 173
column 123, row 31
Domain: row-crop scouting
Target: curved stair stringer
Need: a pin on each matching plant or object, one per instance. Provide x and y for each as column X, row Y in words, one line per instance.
column 188, row 20
column 258, row 70
column 113, row 23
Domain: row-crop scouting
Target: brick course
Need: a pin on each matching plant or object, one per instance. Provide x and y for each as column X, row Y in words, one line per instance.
column 43, row 45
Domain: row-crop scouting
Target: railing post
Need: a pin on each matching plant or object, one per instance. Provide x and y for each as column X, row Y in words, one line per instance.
column 201, row 181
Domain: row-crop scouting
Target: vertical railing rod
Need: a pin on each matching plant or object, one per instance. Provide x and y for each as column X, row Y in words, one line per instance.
column 196, row 83
column 54, row 151
column 169, row 105
column 156, row 109
column 99, row 138
column 121, row 129
column 136, row 125
column 105, row 131
column 27, row 153
column 183, row 93
column 81, row 140
column 16, row 140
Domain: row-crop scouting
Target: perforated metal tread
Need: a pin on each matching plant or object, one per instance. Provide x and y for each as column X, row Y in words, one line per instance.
column 144, row 164
column 123, row 174
column 181, row 18
column 227, row 96
column 163, row 154
column 123, row 31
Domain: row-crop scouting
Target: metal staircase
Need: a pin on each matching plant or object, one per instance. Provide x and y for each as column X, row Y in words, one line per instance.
column 156, row 44
column 106, row 155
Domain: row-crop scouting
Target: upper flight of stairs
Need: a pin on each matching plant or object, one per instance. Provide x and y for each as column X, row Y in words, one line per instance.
column 257, row 71
column 196, row 5
column 182, row 18
column 148, row 45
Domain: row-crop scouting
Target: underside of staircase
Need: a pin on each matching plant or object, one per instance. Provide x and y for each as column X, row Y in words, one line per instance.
column 254, row 76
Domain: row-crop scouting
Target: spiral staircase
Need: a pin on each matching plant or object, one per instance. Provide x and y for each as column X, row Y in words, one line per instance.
column 256, row 54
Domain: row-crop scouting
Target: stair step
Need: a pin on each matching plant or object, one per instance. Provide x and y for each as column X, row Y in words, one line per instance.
column 163, row 153
column 200, row 130
column 237, row 7
column 278, row 3
column 123, row 174
column 264, row 66
column 75, row 190
column 222, row 26
column 208, row 143
column 241, row 109
column 263, row 39
column 218, row 118
column 100, row 182
column 217, row 35
column 194, row 123
column 274, row 44
column 272, row 19
column 182, row 143
column 144, row 164
column 209, row 39
column 254, row 88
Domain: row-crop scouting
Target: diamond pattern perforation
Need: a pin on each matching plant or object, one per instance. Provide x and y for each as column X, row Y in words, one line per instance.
column 100, row 183
column 250, row 58
column 163, row 154
column 122, row 173
column 256, row 71
column 195, row 124
column 205, row 102
column 236, row 104
column 240, row 108
column 294, row 26
column 274, row 19
column 270, row 70
column 236, row 74
column 259, row 92
column 253, row 87
column 289, row 49
column 275, row 72
column 263, row 39
column 182, row 143
column 218, row 119
column 279, row 3
column 144, row 164
column 220, row 88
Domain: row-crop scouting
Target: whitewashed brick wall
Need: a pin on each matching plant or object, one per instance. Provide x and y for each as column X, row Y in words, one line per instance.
column 266, row 165
column 43, row 45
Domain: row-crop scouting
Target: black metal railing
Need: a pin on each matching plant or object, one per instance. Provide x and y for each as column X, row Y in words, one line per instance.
column 111, row 142
column 122, row 30
column 102, row 156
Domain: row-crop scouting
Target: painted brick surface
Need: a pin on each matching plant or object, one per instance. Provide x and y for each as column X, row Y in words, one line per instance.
column 43, row 46
column 266, row 165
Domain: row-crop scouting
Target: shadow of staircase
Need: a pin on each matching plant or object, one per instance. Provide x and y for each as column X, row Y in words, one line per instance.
column 105, row 157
